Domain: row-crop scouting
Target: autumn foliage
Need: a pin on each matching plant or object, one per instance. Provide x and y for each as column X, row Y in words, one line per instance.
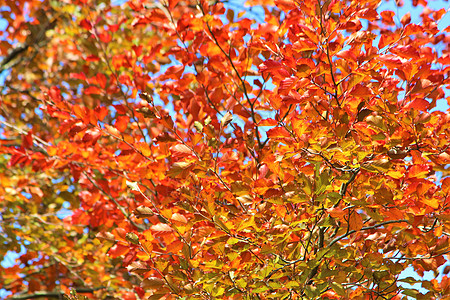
column 272, row 149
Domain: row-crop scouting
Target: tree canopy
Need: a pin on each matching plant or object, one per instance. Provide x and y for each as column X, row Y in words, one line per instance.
column 195, row 149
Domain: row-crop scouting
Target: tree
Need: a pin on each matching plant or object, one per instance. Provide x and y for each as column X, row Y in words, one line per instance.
column 200, row 150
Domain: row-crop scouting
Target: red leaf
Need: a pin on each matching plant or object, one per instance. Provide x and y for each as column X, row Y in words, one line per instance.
column 269, row 65
column 347, row 54
column 104, row 37
column 27, row 140
column 418, row 103
column 391, row 61
column 122, row 123
column 387, row 17
column 80, row 76
column 85, row 24
column 285, row 5
column 101, row 112
column 101, row 80
column 412, row 29
column 92, row 90
column 91, row 136
column 406, row 19
column 118, row 250
column 368, row 14
column 137, row 50
column 55, row 94
column 174, row 72
column 92, row 58
column 286, row 85
column 77, row 127
column 268, row 122
column 125, row 79
column 173, row 3
column 167, row 121
column 407, row 51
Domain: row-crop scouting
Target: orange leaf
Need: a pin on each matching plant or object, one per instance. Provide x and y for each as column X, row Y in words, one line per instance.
column 407, row 51
column 303, row 45
column 361, row 91
column 101, row 112
column 387, row 17
column 299, row 126
column 347, row 55
column 278, row 132
column 311, row 34
column 147, row 246
column 355, row 221
column 446, row 185
column 148, row 235
column 80, row 111
column 418, row 171
column 144, row 148
column 122, row 123
column 118, row 250
column 174, row 72
column 412, row 29
column 433, row 202
column 336, row 212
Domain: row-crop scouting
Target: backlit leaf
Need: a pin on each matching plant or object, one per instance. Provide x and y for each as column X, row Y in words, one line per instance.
column 355, row 221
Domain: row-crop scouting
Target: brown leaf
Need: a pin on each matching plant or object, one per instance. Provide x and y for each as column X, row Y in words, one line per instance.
column 355, row 221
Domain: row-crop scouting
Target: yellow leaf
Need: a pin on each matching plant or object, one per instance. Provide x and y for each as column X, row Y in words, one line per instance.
column 395, row 174
column 299, row 126
column 355, row 79
column 147, row 246
column 434, row 203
